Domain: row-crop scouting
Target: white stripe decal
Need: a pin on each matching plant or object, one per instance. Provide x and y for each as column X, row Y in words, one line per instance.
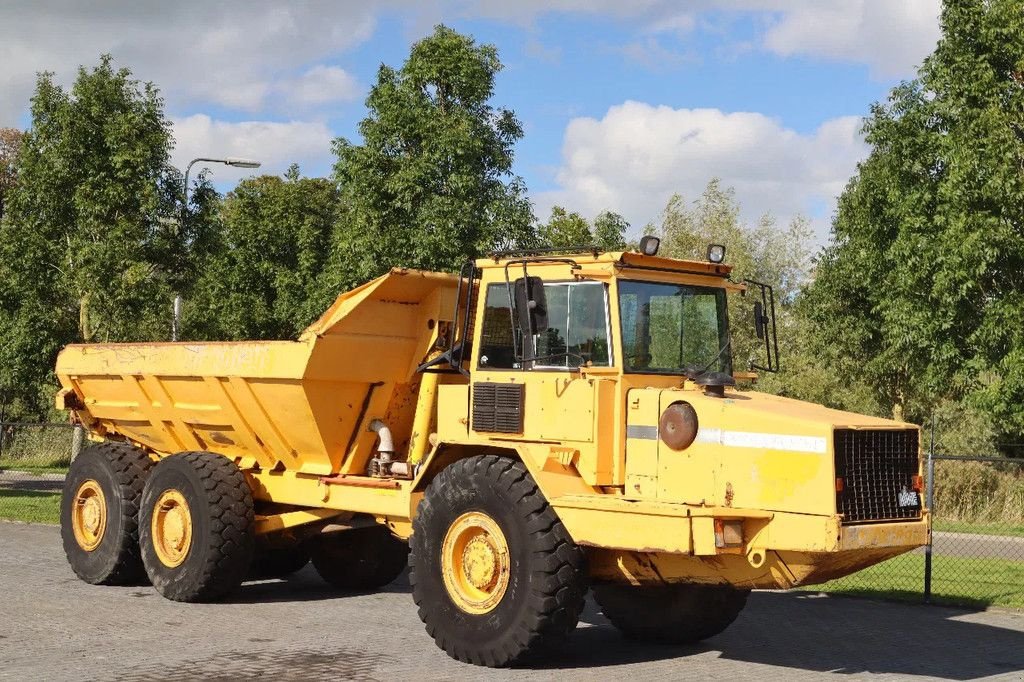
column 768, row 441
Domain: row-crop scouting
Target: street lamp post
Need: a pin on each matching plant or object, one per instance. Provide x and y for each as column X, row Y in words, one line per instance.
column 234, row 161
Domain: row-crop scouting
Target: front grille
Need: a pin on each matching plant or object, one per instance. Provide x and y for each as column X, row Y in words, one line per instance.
column 498, row 408
column 875, row 472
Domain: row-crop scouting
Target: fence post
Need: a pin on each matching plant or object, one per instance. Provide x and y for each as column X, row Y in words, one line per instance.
column 77, row 435
column 930, row 495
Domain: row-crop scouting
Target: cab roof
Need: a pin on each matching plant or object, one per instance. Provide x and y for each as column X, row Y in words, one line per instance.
column 611, row 259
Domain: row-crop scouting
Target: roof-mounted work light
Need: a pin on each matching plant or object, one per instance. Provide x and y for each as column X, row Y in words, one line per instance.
column 649, row 245
column 716, row 253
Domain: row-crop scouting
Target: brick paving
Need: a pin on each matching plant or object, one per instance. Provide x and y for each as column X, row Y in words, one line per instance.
column 54, row 627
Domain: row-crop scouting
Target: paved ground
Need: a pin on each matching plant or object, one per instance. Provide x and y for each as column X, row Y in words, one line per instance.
column 54, row 627
column 976, row 545
column 11, row 479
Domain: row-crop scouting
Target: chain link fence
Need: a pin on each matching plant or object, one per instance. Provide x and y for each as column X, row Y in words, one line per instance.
column 33, row 460
column 976, row 557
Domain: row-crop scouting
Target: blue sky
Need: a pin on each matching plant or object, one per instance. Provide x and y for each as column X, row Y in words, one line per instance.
column 623, row 104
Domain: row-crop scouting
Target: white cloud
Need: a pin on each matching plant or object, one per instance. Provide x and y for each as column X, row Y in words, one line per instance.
column 680, row 24
column 234, row 54
column 319, row 85
column 890, row 37
column 243, row 54
column 651, row 53
column 638, row 155
column 276, row 145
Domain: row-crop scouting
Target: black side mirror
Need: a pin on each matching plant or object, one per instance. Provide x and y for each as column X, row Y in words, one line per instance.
column 531, row 306
column 760, row 321
column 764, row 325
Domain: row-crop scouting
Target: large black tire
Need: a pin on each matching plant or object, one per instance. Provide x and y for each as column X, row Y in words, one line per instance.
column 220, row 517
column 120, row 472
column 360, row 559
column 541, row 599
column 278, row 562
column 671, row 614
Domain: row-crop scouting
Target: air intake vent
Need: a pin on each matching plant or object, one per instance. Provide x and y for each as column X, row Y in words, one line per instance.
column 875, row 472
column 498, row 408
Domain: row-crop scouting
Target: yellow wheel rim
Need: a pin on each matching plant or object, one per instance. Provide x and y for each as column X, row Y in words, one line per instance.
column 89, row 515
column 475, row 563
column 171, row 528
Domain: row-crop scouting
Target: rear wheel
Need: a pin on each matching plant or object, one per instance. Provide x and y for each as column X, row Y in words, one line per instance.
column 196, row 524
column 278, row 562
column 359, row 559
column 495, row 575
column 671, row 614
column 99, row 513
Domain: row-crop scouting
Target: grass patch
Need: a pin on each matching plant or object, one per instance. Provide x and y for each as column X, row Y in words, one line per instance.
column 31, row 506
column 981, row 494
column 978, row 528
column 955, row 580
column 33, row 468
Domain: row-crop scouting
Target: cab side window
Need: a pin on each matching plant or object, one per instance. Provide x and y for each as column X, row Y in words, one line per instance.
column 497, row 349
column 576, row 333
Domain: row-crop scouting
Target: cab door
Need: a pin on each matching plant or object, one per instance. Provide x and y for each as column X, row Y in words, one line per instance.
column 533, row 386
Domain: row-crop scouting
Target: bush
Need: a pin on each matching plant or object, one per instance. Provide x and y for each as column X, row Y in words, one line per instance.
column 979, row 492
column 35, row 446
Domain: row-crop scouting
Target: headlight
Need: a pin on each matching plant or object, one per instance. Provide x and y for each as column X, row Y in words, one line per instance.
column 716, row 253
column 678, row 426
column 649, row 245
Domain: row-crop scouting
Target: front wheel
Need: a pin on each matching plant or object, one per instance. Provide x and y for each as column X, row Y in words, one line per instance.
column 495, row 575
column 671, row 614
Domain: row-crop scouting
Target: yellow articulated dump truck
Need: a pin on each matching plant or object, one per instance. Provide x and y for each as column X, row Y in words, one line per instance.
column 539, row 425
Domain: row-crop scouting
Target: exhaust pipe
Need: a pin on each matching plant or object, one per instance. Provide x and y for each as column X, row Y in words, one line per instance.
column 387, row 445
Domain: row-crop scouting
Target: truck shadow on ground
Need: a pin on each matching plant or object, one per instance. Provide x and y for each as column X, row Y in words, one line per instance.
column 810, row 632
column 305, row 585
column 799, row 630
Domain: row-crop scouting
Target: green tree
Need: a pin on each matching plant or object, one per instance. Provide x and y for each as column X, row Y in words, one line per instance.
column 775, row 255
column 431, row 184
column 266, row 279
column 610, row 231
column 920, row 289
column 83, row 243
column 565, row 230
column 10, row 144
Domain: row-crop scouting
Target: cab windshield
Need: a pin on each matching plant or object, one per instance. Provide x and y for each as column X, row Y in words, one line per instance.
column 672, row 328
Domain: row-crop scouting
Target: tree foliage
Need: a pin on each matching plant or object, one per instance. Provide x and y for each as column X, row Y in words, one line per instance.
column 920, row 290
column 770, row 253
column 266, row 279
column 610, row 231
column 567, row 229
column 431, row 184
column 88, row 227
column 10, row 145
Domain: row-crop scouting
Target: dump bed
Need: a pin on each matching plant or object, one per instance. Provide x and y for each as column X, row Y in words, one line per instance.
column 303, row 404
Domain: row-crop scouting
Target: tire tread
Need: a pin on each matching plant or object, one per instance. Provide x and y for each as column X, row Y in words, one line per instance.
column 130, row 467
column 558, row 587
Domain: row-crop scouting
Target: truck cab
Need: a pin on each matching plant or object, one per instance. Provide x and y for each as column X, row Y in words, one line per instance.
column 611, row 375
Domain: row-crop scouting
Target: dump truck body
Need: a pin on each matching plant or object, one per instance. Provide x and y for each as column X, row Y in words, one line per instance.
column 292, row 405
column 580, row 368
